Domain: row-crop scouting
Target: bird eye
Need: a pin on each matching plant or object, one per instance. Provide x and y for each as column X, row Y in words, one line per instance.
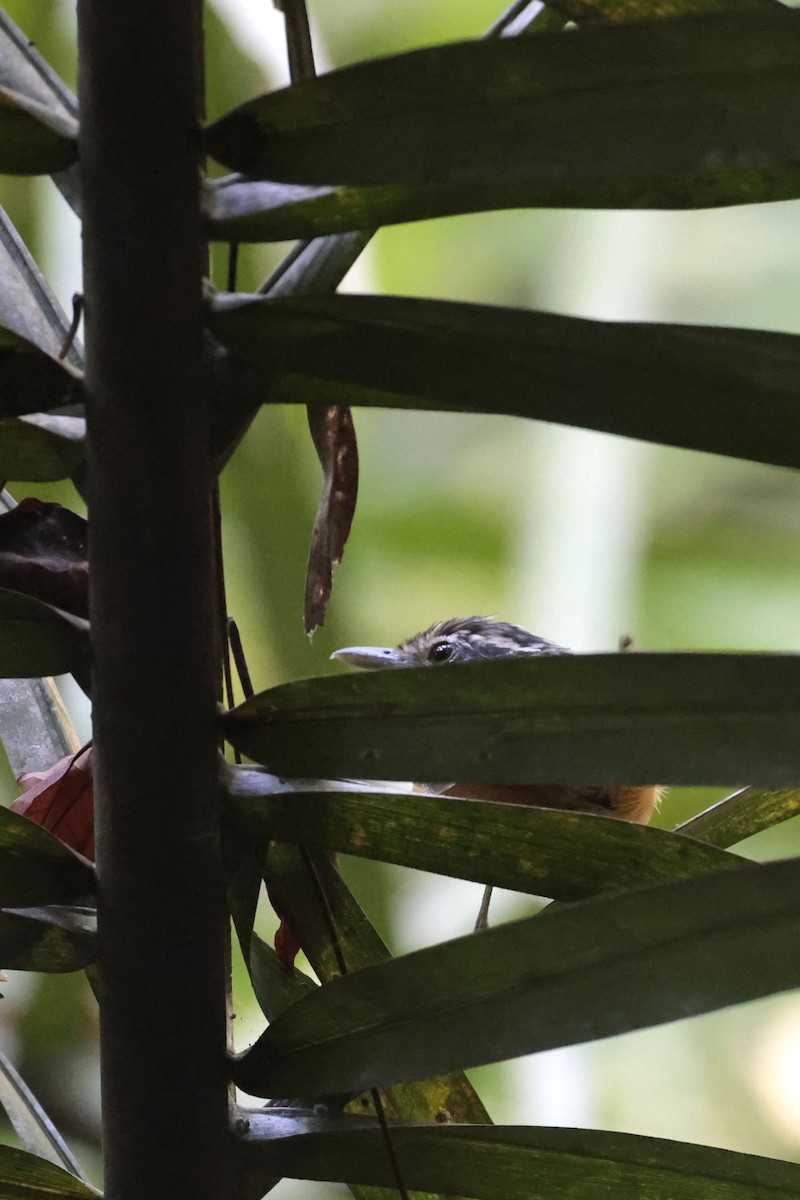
column 441, row 652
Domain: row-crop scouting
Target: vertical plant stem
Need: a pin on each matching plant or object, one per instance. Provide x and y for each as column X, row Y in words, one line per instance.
column 162, row 920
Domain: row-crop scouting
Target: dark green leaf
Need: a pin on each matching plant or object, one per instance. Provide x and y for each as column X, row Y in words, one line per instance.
column 30, row 379
column 672, row 114
column 426, row 354
column 36, row 868
column 296, row 879
column 696, row 719
column 514, row 1162
column 26, row 1177
column 35, row 138
column 31, row 1123
column 54, row 939
column 24, row 70
column 564, row 855
column 589, row 970
column 38, row 639
column 41, row 447
column 645, row 10
column 741, row 815
column 27, row 304
column 276, row 988
column 316, row 268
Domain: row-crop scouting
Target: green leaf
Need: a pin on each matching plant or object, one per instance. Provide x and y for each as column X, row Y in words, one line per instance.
column 35, row 138
column 513, row 1162
column 564, row 855
column 645, row 10
column 402, row 352
column 36, row 868
column 41, row 447
column 31, row 380
column 672, row 114
column 54, row 939
column 27, row 303
column 589, row 970
column 296, row 880
column 37, row 639
column 695, row 719
column 739, row 816
column 23, row 69
column 276, row 988
column 26, row 1177
column 31, row 1123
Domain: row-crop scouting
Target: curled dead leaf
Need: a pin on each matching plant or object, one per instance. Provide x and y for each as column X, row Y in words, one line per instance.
column 334, row 437
column 62, row 800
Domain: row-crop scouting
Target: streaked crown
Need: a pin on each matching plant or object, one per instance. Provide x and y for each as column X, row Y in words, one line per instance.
column 464, row 639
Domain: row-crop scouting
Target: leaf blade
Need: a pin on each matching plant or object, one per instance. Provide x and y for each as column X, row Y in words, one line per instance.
column 24, row 1176
column 566, row 856
column 514, row 1162
column 695, row 719
column 641, row 958
column 37, row 639
column 492, row 124
column 424, row 354
column 56, row 939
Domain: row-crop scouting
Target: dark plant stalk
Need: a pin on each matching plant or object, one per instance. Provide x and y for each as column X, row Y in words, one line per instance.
column 162, row 921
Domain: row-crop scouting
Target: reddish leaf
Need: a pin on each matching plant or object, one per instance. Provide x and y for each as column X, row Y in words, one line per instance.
column 334, row 437
column 287, row 945
column 43, row 554
column 62, row 800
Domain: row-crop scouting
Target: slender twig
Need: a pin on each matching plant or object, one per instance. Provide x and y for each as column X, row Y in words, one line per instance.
column 298, row 39
column 497, row 28
column 237, row 649
column 77, row 313
column 482, row 920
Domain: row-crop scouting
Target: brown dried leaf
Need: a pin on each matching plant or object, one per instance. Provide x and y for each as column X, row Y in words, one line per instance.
column 334, row 437
column 62, row 800
column 43, row 553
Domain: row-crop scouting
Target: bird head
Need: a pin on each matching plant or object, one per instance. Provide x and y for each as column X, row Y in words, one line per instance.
column 461, row 639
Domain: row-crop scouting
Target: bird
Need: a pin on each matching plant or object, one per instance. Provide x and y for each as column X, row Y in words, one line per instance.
column 470, row 639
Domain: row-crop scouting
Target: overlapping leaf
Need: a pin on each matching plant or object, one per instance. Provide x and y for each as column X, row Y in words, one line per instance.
column 37, row 639
column 513, row 1162
column 24, row 70
column 589, row 970
column 30, row 379
column 61, row 799
column 36, row 868
column 26, row 1177
column 657, row 114
column 54, row 939
column 31, row 1123
column 41, row 447
column 563, row 855
column 299, row 880
column 403, row 352
column 741, row 815
column 28, row 306
column 35, row 139
column 709, row 719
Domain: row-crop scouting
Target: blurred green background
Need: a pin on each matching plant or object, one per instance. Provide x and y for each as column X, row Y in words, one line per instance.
column 581, row 537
